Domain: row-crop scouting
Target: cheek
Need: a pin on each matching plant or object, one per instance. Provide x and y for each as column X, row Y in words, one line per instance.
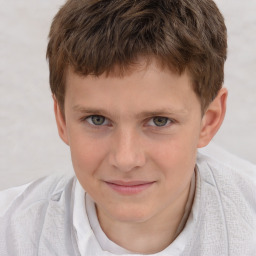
column 177, row 166
column 176, row 157
column 178, row 148
column 87, row 155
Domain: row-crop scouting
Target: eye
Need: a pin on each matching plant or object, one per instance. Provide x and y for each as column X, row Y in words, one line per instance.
column 97, row 120
column 159, row 121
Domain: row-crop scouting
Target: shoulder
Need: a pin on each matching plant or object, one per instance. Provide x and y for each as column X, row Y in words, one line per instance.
column 36, row 214
column 234, row 178
column 229, row 201
column 39, row 191
column 219, row 157
column 229, row 171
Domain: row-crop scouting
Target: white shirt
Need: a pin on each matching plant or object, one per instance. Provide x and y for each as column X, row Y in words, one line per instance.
column 37, row 219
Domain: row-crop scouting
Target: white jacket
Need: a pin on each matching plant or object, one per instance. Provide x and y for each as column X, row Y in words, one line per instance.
column 37, row 219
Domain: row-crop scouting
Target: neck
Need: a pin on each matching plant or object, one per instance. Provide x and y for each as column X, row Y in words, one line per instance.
column 149, row 236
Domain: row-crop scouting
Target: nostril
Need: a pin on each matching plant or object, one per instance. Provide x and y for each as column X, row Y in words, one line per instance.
column 127, row 161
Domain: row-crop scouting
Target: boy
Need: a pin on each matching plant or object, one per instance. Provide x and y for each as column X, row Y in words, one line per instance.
column 137, row 89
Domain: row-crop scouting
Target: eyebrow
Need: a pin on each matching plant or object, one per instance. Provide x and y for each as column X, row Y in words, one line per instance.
column 88, row 110
column 156, row 112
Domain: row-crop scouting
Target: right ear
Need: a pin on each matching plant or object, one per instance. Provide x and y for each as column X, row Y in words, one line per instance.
column 61, row 123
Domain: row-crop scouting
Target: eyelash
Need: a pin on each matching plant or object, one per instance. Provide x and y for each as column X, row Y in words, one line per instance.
column 99, row 116
column 169, row 121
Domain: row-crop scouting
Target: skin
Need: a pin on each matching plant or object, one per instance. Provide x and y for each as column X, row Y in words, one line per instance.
column 131, row 145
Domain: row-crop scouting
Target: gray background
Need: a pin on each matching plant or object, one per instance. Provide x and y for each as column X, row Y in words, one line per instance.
column 29, row 143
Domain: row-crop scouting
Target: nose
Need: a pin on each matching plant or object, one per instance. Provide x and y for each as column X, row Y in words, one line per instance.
column 127, row 152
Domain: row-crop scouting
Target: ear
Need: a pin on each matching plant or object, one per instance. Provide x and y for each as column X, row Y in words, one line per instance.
column 61, row 123
column 213, row 118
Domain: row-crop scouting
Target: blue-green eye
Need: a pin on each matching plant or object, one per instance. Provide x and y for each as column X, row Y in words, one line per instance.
column 159, row 121
column 96, row 120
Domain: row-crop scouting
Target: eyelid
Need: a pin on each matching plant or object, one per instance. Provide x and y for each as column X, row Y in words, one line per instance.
column 94, row 125
column 169, row 121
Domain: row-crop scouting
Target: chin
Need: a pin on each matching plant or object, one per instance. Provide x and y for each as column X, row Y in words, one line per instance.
column 131, row 214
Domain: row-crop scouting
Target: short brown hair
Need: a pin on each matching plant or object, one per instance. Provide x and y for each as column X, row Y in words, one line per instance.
column 95, row 36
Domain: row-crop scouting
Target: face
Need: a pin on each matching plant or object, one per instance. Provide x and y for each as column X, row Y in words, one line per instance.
column 133, row 140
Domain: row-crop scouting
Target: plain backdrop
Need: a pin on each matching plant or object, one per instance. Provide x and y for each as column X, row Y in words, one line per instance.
column 29, row 143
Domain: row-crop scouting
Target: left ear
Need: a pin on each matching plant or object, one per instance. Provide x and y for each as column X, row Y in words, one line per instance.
column 213, row 118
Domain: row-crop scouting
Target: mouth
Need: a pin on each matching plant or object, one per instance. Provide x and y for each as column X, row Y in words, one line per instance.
column 129, row 188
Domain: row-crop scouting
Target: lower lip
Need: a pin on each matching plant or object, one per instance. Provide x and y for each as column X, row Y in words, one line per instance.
column 129, row 190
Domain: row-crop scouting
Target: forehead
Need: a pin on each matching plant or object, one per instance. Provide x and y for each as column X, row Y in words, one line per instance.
column 143, row 87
